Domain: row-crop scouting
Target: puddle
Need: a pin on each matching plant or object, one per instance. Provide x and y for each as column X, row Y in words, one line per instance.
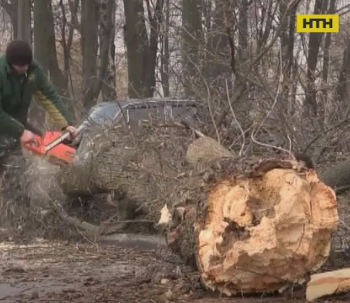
column 50, row 269
column 134, row 240
column 7, row 290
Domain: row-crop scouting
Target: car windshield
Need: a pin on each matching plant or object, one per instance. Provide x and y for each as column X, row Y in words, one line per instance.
column 166, row 112
column 103, row 115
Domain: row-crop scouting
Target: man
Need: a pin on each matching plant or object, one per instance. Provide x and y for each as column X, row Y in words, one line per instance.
column 21, row 77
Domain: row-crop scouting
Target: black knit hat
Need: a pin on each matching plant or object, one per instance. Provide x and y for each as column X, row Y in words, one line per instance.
column 19, row 52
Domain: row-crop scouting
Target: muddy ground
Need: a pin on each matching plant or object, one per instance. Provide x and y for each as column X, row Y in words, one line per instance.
column 48, row 271
column 63, row 272
column 108, row 272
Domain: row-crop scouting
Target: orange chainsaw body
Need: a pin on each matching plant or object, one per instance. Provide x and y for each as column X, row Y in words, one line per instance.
column 61, row 154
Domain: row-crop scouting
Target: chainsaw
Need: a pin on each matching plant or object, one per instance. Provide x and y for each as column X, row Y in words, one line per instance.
column 50, row 146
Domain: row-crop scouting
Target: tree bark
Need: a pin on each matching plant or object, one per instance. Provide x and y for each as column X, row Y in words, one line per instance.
column 218, row 46
column 165, row 59
column 191, row 34
column 11, row 8
column 24, row 28
column 137, row 45
column 106, row 81
column 89, row 46
column 312, row 59
column 45, row 47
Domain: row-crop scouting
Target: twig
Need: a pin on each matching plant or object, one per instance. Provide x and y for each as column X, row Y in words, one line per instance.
column 325, row 132
column 344, row 224
column 279, row 88
column 234, row 117
column 208, row 99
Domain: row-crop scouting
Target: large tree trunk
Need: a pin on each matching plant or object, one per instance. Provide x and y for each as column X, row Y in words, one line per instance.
column 248, row 224
column 45, row 47
column 107, row 50
column 137, row 45
column 191, row 34
column 67, row 34
column 11, row 8
column 24, row 28
column 218, row 56
column 89, row 46
column 315, row 40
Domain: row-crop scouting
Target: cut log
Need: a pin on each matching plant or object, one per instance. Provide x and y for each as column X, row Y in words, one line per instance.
column 328, row 283
column 256, row 225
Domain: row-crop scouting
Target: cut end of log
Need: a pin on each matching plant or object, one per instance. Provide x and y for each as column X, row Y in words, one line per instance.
column 328, row 283
column 263, row 229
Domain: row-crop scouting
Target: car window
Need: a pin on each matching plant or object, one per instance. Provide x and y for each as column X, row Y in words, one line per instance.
column 103, row 115
column 166, row 113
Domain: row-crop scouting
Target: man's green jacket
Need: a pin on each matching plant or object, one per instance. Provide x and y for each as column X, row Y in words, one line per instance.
column 16, row 92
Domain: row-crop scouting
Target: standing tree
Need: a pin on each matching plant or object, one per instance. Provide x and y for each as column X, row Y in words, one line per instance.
column 107, row 50
column 191, row 33
column 45, row 45
column 141, row 51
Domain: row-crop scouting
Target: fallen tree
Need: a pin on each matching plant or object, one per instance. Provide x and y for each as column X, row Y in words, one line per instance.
column 247, row 224
column 337, row 176
column 258, row 227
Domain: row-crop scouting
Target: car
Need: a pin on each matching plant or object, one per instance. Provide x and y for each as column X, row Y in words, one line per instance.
column 107, row 114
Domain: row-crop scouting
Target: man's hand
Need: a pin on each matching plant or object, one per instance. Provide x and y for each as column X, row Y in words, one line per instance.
column 27, row 137
column 72, row 130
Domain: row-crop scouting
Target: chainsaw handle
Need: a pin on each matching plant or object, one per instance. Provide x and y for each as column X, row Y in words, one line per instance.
column 60, row 139
column 65, row 136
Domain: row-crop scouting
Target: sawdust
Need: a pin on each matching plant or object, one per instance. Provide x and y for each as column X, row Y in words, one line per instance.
column 42, row 185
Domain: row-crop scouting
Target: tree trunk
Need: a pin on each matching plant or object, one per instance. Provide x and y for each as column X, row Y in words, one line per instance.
column 45, row 46
column 24, row 28
column 156, row 18
column 66, row 43
column 11, row 8
column 137, row 45
column 250, row 224
column 106, row 79
column 165, row 59
column 342, row 86
column 287, row 46
column 217, row 68
column 89, row 46
column 191, row 34
column 315, row 40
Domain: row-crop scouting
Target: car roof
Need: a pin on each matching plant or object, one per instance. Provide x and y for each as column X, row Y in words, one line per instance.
column 122, row 104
